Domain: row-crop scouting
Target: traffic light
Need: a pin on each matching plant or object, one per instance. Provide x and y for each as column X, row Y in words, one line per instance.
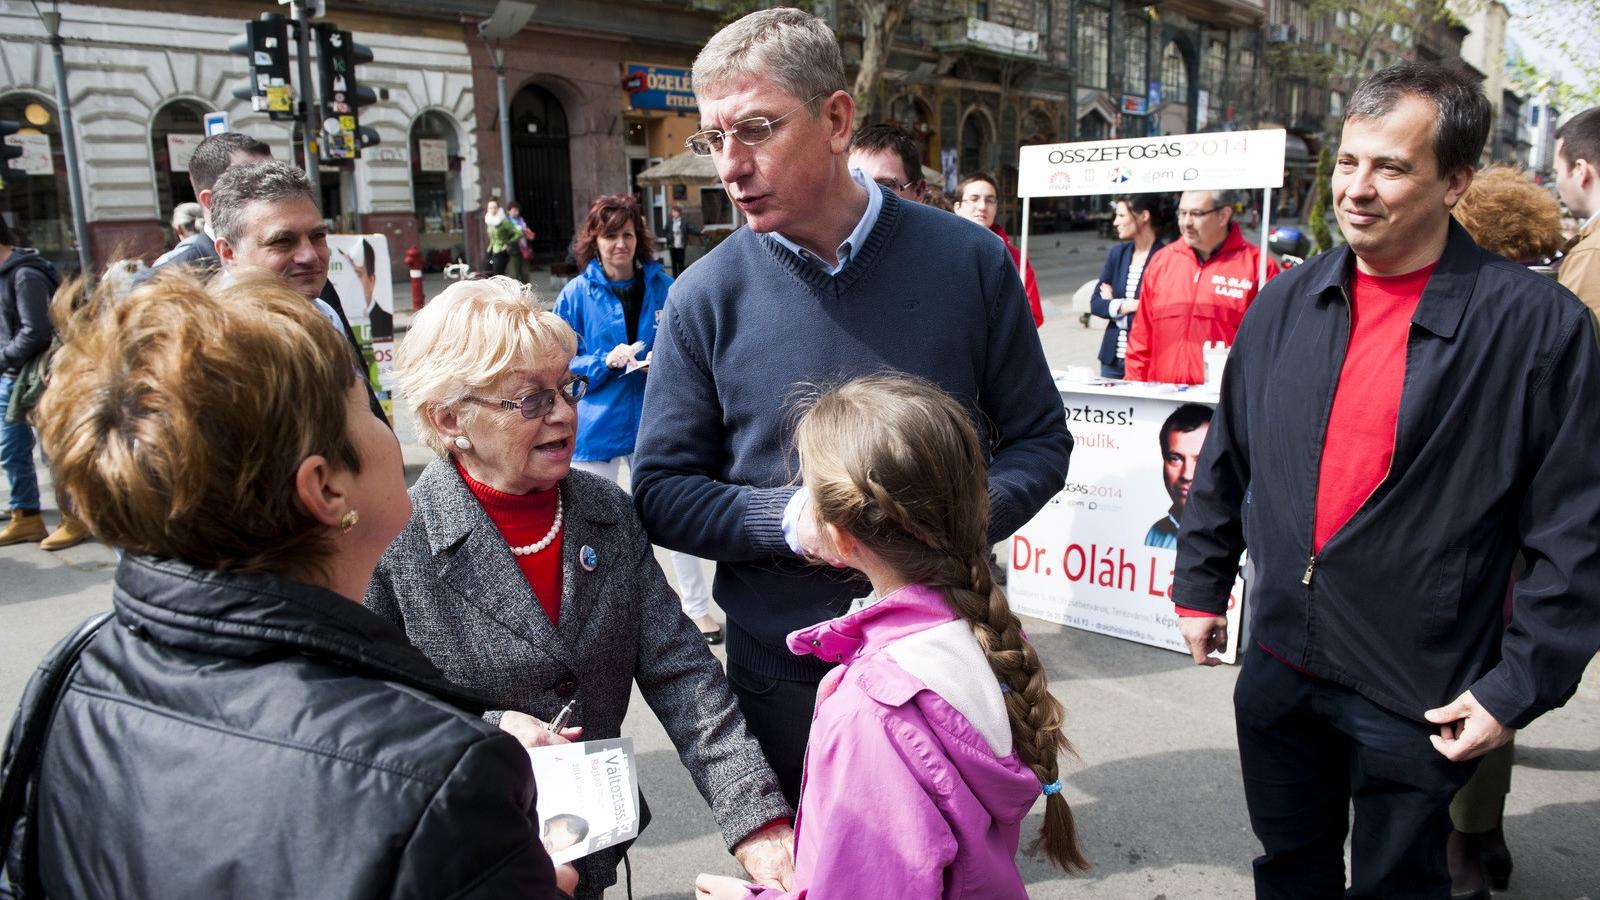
column 8, row 150
column 342, row 94
column 266, row 44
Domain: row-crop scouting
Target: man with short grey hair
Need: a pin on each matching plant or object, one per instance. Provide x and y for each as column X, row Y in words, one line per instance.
column 1195, row 291
column 266, row 216
column 836, row 277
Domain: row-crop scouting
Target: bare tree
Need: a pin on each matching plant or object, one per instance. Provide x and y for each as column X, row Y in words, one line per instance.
column 879, row 19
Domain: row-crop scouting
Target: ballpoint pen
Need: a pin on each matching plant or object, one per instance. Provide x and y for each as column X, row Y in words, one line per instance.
column 561, row 717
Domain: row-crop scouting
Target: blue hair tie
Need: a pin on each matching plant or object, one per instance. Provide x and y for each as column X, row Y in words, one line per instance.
column 1052, row 788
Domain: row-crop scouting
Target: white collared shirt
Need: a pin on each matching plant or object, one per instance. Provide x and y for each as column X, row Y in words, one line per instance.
column 857, row 237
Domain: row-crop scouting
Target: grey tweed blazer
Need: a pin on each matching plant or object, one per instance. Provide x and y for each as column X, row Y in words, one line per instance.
column 451, row 582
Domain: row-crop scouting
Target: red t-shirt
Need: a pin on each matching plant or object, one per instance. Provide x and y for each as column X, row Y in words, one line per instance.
column 522, row 520
column 1359, row 444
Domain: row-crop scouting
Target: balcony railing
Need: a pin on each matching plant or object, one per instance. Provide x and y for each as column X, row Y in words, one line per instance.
column 990, row 37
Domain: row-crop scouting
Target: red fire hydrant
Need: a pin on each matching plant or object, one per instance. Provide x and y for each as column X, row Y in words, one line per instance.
column 414, row 263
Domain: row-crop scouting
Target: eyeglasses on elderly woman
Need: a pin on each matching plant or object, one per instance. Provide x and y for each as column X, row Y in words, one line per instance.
column 539, row 404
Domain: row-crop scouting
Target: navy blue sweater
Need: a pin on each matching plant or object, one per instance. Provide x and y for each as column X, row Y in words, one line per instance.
column 749, row 326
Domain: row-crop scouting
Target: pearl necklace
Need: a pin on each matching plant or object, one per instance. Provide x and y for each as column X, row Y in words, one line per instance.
column 555, row 529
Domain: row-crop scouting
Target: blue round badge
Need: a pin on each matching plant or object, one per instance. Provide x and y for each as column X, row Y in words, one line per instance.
column 588, row 558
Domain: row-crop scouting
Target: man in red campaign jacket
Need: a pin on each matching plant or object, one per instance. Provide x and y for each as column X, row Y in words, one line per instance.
column 1195, row 290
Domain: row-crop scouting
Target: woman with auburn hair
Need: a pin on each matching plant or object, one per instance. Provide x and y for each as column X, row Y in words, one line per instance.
column 246, row 727
column 615, row 306
column 919, row 770
column 977, row 197
column 532, row 581
column 1506, row 213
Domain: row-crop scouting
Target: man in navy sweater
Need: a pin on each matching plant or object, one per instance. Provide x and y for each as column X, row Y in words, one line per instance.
column 834, row 278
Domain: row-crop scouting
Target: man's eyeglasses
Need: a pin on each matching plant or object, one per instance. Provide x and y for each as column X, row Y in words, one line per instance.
column 892, row 185
column 538, row 405
column 749, row 132
column 1185, row 214
column 980, row 201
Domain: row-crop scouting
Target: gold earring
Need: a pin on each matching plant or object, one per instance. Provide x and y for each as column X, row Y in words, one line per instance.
column 348, row 521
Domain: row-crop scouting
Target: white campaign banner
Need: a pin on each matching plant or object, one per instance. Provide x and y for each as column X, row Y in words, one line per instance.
column 1100, row 555
column 1221, row 160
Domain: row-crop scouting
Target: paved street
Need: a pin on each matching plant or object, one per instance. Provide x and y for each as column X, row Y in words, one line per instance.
column 1156, row 783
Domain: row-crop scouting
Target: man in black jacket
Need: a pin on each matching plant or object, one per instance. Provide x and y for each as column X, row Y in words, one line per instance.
column 1399, row 420
column 214, row 155
column 27, row 280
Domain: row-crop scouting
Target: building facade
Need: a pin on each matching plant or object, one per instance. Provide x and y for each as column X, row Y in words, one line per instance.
column 141, row 82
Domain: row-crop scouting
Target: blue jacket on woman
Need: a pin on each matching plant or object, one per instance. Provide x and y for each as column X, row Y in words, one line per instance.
column 1115, row 273
column 608, row 417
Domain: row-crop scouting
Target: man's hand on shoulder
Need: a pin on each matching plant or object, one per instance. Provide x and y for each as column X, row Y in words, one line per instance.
column 1466, row 729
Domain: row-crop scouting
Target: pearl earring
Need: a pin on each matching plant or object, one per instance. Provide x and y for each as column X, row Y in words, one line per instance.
column 462, row 443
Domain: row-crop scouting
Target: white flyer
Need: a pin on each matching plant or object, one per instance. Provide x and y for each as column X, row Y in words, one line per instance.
column 588, row 796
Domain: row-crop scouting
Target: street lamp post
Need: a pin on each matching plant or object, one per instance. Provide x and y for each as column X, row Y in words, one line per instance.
column 509, row 17
column 69, row 144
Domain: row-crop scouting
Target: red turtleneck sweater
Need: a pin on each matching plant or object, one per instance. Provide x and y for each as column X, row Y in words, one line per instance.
column 522, row 520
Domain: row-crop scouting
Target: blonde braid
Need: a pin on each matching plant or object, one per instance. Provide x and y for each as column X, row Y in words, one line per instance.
column 1035, row 714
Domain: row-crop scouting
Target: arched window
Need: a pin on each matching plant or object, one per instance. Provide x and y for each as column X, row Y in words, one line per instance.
column 1174, row 74
column 436, row 183
column 1037, row 128
column 975, row 139
column 1092, row 126
column 174, row 132
column 913, row 115
column 36, row 204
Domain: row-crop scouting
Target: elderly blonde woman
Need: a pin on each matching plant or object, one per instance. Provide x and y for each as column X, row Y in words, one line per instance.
column 534, row 584
column 243, row 728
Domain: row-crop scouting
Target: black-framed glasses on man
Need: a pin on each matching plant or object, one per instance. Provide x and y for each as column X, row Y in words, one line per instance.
column 1197, row 214
column 749, row 132
column 539, row 404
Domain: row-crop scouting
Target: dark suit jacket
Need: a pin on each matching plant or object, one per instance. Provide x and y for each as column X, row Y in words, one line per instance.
column 1115, row 273
column 451, row 582
column 196, row 250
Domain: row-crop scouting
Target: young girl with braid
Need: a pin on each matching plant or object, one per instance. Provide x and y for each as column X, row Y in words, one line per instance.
column 936, row 734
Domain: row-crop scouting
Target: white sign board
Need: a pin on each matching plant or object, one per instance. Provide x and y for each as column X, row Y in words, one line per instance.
column 1222, row 160
column 35, row 158
column 180, row 149
column 1100, row 555
column 358, row 269
column 216, row 123
column 433, row 155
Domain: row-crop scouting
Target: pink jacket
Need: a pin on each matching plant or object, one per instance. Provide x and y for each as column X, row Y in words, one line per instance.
column 912, row 788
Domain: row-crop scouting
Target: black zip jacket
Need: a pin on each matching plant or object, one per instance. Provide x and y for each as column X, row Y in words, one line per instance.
column 27, row 282
column 239, row 736
column 1497, row 450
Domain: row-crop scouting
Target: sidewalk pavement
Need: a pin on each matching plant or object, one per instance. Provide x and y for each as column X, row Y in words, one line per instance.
column 1154, row 782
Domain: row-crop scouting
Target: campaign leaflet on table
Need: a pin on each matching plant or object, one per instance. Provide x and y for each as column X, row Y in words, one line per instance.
column 588, row 796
